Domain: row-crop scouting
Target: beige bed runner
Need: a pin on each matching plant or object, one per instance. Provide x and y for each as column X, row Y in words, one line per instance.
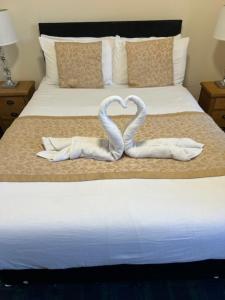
column 18, row 148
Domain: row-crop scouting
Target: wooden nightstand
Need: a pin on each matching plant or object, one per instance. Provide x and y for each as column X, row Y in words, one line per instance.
column 212, row 101
column 12, row 102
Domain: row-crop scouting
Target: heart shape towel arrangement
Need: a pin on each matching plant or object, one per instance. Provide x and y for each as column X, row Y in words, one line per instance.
column 112, row 149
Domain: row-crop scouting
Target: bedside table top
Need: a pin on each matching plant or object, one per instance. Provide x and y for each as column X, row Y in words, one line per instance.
column 22, row 89
column 213, row 90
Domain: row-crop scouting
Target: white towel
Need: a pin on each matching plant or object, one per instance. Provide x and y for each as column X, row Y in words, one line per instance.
column 183, row 149
column 58, row 149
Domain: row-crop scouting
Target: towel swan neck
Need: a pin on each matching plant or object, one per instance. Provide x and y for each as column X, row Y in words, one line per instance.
column 136, row 122
column 115, row 137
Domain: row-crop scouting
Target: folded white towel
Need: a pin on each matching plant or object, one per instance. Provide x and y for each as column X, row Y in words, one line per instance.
column 58, row 149
column 183, row 149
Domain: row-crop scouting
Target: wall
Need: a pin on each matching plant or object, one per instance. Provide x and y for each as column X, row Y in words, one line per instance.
column 206, row 58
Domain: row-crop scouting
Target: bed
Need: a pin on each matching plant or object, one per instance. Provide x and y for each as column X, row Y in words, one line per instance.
column 59, row 225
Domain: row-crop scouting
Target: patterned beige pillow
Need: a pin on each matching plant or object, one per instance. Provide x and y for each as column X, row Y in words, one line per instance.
column 79, row 64
column 150, row 63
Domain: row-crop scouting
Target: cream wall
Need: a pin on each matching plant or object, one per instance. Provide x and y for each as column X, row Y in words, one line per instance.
column 206, row 58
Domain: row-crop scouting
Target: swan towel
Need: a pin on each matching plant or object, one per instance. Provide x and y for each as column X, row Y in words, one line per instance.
column 58, row 149
column 183, row 149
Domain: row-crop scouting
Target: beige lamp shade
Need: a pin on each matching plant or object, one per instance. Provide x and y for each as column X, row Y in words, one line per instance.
column 7, row 32
column 219, row 33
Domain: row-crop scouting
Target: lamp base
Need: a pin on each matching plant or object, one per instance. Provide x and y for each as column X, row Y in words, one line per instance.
column 220, row 84
column 9, row 84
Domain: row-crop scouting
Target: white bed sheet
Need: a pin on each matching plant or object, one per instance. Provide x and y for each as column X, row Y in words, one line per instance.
column 52, row 100
column 107, row 222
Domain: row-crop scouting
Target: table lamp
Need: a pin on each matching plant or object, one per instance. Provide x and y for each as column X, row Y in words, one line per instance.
column 219, row 34
column 7, row 37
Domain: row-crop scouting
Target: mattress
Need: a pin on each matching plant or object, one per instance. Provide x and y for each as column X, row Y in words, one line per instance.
column 109, row 222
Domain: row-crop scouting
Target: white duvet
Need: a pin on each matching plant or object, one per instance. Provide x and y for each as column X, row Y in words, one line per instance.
column 64, row 225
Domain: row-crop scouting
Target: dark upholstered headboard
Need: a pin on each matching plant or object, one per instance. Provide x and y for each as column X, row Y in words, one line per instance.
column 122, row 28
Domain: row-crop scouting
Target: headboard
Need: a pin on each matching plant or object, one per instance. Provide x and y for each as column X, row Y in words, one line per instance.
column 122, row 28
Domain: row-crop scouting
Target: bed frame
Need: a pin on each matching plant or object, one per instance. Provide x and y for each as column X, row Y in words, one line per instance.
column 122, row 28
column 204, row 269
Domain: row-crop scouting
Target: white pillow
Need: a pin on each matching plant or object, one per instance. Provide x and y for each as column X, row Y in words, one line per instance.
column 179, row 60
column 120, row 58
column 48, row 46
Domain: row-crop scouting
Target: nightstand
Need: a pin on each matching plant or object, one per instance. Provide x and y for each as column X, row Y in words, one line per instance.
column 12, row 102
column 212, row 101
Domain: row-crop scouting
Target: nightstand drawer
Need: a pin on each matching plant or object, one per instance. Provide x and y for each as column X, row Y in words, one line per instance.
column 11, row 107
column 5, row 123
column 219, row 117
column 219, row 103
column 13, row 101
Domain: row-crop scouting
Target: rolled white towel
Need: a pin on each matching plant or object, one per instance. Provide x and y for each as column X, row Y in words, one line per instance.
column 76, row 147
column 173, row 149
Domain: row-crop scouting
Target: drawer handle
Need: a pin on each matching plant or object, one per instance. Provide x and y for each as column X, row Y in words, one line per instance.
column 223, row 117
column 10, row 102
column 14, row 115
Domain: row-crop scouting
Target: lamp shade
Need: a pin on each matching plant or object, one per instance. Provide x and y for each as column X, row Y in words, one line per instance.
column 219, row 33
column 7, row 32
